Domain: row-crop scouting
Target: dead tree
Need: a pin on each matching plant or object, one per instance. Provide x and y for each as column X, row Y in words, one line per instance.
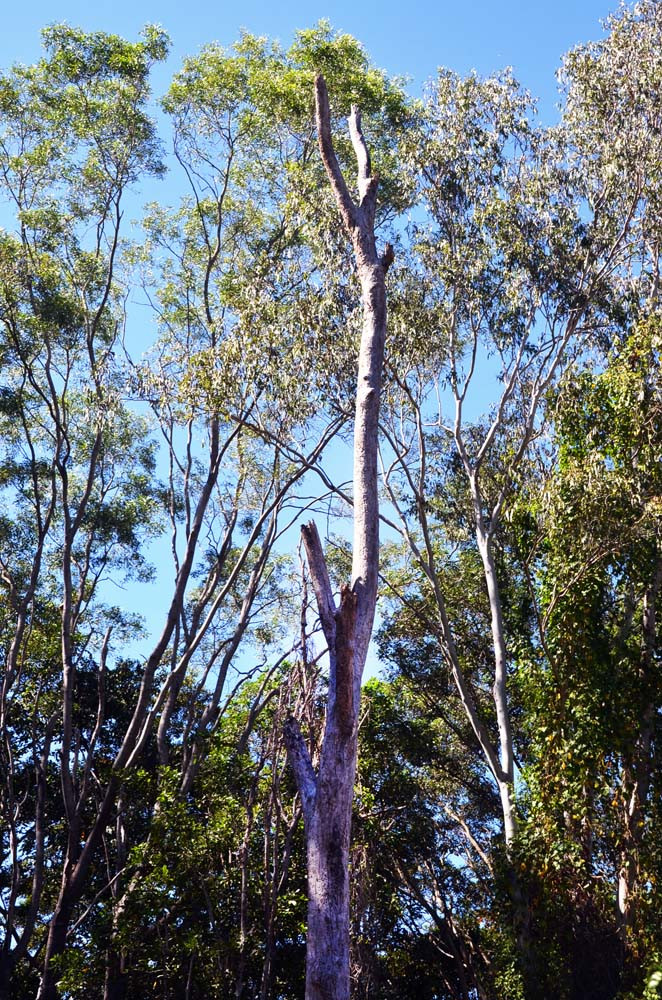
column 327, row 795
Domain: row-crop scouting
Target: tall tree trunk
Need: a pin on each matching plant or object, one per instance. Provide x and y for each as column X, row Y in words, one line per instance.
column 116, row 979
column 327, row 796
column 71, row 889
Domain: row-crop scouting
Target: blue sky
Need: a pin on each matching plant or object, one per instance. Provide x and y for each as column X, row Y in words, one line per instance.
column 410, row 38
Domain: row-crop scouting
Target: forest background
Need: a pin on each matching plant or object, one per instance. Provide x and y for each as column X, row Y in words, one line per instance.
column 176, row 402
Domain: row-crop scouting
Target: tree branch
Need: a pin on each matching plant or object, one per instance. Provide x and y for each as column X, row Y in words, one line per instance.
column 299, row 758
column 338, row 186
column 345, row 649
column 321, row 583
column 367, row 183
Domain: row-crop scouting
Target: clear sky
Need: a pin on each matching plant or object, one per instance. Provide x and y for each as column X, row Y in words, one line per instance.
column 410, row 37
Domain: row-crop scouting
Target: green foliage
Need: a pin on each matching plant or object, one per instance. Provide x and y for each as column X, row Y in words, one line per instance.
column 414, row 884
column 254, row 274
column 590, row 782
column 519, row 242
column 199, row 898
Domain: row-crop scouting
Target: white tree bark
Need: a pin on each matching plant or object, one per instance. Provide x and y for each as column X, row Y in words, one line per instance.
column 327, row 796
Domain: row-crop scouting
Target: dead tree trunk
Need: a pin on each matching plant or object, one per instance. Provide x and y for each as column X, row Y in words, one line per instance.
column 327, row 796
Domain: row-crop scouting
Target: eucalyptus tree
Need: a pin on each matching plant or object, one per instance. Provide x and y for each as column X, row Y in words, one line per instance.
column 256, row 287
column 491, row 281
column 540, row 249
column 294, row 294
column 527, row 258
column 327, row 795
column 592, row 718
column 78, row 485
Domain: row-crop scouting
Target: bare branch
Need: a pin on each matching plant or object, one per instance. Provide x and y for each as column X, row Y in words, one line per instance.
column 325, row 141
column 469, row 835
column 319, row 575
column 300, row 762
column 367, row 183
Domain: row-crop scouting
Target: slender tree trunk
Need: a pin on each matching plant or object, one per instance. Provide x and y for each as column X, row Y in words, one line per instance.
column 327, row 796
column 116, row 980
column 71, row 890
column 55, row 944
column 499, row 690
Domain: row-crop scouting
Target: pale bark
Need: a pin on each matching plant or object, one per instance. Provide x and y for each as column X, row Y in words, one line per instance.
column 327, row 796
column 534, row 372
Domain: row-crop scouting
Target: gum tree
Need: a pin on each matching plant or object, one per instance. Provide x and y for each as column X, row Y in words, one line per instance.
column 327, row 792
column 77, row 471
column 526, row 258
column 245, row 136
column 540, row 250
